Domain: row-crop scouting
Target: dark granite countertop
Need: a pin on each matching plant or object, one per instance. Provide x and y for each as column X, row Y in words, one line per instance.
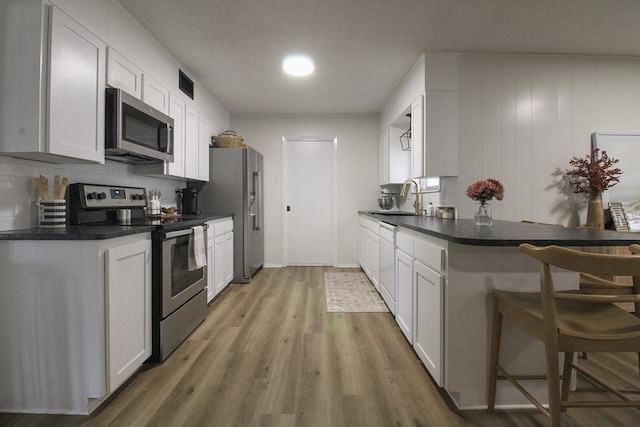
column 76, row 232
column 99, row 232
column 506, row 233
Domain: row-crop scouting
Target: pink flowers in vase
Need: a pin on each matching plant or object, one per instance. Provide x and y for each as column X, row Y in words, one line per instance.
column 486, row 189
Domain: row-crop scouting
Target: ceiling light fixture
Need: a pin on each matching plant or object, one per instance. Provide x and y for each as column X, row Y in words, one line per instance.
column 298, row 65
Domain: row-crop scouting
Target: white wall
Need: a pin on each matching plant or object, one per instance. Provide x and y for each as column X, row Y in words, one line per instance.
column 358, row 189
column 523, row 117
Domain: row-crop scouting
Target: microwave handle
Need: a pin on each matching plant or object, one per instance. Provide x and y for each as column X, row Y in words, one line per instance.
column 166, row 130
column 169, row 139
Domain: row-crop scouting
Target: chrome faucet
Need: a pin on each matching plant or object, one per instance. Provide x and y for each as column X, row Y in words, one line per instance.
column 416, row 204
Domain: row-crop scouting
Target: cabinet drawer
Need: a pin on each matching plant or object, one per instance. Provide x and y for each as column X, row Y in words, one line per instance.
column 373, row 226
column 219, row 228
column 430, row 255
column 405, row 243
column 385, row 233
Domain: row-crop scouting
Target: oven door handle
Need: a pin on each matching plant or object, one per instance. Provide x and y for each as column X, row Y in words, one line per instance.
column 182, row 232
column 178, row 233
column 174, row 234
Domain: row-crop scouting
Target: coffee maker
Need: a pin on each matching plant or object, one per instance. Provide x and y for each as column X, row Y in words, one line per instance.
column 189, row 201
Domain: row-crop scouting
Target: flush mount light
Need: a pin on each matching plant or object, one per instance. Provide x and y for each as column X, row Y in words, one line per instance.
column 298, row 65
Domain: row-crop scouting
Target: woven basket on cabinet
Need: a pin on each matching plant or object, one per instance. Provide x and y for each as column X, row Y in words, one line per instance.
column 228, row 139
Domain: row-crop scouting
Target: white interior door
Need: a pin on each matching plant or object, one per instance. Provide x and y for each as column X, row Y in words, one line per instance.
column 309, row 201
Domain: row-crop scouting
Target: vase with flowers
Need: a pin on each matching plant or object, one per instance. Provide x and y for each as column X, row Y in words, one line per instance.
column 595, row 174
column 483, row 190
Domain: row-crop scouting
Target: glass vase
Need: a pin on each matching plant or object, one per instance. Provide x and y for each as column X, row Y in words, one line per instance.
column 482, row 215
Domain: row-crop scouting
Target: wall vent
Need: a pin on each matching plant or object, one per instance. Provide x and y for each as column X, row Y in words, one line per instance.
column 185, row 84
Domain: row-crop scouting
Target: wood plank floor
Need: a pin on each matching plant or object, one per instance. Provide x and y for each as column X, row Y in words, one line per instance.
column 269, row 354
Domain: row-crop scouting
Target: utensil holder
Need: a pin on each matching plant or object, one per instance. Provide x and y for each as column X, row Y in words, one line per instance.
column 53, row 213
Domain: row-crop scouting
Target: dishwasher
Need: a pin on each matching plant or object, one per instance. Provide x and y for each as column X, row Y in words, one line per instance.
column 388, row 265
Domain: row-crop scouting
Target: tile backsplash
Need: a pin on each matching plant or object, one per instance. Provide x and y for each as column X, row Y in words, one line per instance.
column 19, row 195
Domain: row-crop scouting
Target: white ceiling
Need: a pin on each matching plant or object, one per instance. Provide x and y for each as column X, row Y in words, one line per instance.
column 363, row 48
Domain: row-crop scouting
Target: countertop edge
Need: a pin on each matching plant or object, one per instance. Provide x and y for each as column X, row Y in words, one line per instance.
column 82, row 232
column 505, row 233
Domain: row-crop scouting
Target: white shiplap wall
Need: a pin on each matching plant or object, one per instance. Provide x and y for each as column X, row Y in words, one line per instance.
column 522, row 118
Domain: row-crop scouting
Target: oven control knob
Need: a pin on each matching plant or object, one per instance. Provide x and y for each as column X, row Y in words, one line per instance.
column 102, row 196
column 92, row 196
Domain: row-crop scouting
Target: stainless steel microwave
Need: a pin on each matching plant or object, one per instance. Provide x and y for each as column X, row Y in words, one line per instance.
column 136, row 132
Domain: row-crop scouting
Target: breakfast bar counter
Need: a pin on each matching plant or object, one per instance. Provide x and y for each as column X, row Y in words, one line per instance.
column 476, row 260
column 506, row 233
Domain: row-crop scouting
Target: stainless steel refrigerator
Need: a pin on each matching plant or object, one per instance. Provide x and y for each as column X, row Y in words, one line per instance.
column 235, row 186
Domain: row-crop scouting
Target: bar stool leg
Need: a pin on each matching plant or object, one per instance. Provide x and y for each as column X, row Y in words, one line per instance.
column 496, row 331
column 566, row 377
column 553, row 381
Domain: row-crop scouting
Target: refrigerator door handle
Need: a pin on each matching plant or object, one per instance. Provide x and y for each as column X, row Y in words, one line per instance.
column 256, row 196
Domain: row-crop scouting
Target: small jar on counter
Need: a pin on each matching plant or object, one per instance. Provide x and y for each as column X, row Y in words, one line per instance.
column 446, row 212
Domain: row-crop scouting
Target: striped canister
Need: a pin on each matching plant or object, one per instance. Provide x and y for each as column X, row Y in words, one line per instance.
column 53, row 213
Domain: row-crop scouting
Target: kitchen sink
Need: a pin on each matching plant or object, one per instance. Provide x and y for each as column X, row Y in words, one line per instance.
column 392, row 213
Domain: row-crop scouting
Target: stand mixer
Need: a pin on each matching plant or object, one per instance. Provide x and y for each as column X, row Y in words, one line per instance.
column 386, row 200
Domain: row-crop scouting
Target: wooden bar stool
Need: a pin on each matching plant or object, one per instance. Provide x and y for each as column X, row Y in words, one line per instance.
column 568, row 322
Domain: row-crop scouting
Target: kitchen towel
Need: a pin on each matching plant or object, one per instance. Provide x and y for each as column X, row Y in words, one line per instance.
column 197, row 250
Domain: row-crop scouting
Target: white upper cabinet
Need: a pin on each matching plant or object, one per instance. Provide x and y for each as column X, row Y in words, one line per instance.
column 417, row 137
column 64, row 124
column 441, row 115
column 430, row 91
column 441, row 133
column 205, row 130
column 76, row 90
column 177, row 111
column 123, row 74
column 192, row 122
column 154, row 94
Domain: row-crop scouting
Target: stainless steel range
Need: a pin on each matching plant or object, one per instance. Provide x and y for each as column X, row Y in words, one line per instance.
column 179, row 298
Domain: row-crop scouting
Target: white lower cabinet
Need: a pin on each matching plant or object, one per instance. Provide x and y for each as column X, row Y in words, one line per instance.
column 369, row 250
column 128, row 296
column 428, row 325
column 421, row 279
column 218, row 265
column 219, row 255
column 228, row 251
column 404, row 299
column 76, row 318
column 210, row 260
